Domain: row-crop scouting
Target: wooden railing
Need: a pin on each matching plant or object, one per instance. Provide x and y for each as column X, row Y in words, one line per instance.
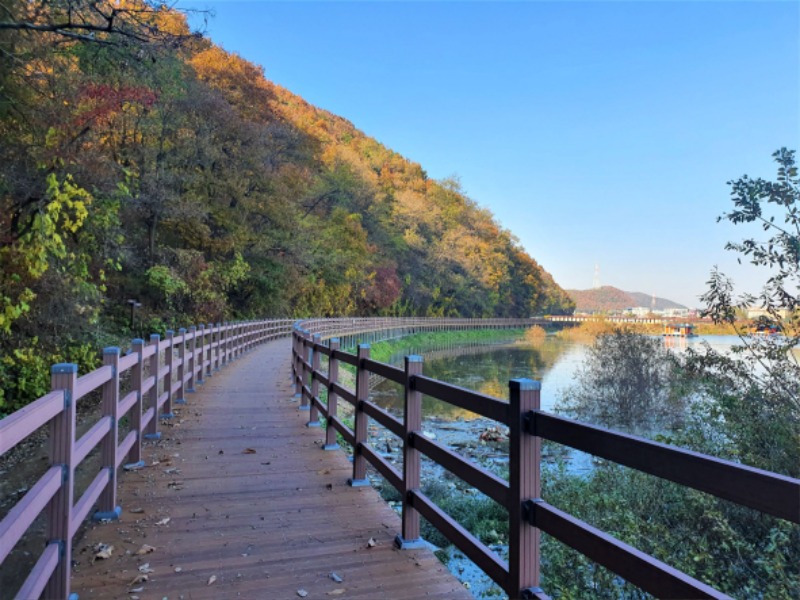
column 156, row 375
column 371, row 329
column 528, row 513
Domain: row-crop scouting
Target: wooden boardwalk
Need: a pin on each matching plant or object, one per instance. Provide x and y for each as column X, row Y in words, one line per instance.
column 238, row 500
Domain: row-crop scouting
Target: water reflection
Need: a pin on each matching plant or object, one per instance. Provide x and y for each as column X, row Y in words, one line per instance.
column 488, row 369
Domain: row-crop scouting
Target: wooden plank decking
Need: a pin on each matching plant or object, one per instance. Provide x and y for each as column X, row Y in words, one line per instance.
column 264, row 525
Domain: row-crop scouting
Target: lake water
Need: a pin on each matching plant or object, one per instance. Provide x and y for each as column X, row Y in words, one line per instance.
column 487, row 369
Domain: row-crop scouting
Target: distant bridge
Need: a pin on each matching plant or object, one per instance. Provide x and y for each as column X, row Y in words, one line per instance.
column 598, row 319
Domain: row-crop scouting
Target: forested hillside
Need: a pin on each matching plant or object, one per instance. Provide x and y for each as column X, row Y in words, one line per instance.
column 608, row 298
column 140, row 161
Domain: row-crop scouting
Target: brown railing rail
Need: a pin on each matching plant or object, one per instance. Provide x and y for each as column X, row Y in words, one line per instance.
column 528, row 513
column 157, row 375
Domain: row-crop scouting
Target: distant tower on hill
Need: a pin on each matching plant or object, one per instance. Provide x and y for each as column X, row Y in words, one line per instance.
column 596, row 278
column 653, row 303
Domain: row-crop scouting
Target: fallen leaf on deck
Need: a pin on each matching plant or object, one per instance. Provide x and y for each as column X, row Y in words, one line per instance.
column 336, row 592
column 302, row 593
column 136, row 590
column 139, row 579
column 178, row 569
column 136, row 511
column 145, row 568
column 371, row 543
column 323, row 471
column 335, row 578
column 211, row 579
column 249, row 451
column 145, row 549
column 103, row 551
column 164, row 521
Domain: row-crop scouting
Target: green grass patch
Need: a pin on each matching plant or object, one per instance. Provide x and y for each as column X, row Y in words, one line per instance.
column 384, row 351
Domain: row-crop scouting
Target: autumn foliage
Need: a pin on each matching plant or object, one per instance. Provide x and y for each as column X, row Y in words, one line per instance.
column 143, row 162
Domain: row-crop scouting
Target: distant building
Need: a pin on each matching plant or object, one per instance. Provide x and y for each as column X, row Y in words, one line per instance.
column 675, row 312
column 753, row 312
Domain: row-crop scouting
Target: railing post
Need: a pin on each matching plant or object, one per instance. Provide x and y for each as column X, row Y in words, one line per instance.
column 218, row 347
column 169, row 361
column 59, row 511
column 137, row 376
column 200, row 367
column 313, row 417
column 181, row 399
column 306, row 354
column 210, row 361
column 222, row 356
column 151, row 431
column 298, row 348
column 107, row 503
column 362, row 395
column 230, row 341
column 410, row 538
column 192, row 360
column 524, row 489
column 333, row 377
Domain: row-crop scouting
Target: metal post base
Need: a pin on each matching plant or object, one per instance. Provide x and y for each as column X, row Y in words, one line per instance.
column 108, row 516
column 301, row 407
column 402, row 544
column 179, row 401
column 330, row 447
column 169, row 415
column 358, row 482
column 152, row 436
column 134, row 466
column 313, row 424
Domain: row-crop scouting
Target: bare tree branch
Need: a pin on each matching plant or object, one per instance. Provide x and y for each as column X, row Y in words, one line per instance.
column 86, row 21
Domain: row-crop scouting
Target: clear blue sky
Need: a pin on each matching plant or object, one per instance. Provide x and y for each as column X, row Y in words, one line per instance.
column 597, row 132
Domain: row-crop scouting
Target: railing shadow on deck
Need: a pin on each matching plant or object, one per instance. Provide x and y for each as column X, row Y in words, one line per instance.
column 529, row 514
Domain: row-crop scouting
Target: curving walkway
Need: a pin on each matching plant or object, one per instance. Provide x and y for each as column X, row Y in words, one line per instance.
column 239, row 501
